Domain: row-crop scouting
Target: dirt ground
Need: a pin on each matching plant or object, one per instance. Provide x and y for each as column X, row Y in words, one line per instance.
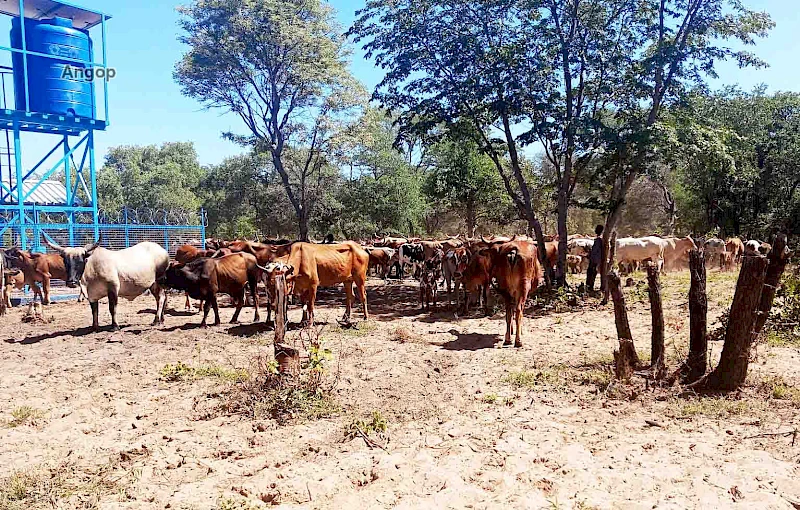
column 90, row 420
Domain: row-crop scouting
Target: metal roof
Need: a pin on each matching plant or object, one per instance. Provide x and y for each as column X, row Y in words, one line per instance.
column 48, row 193
column 42, row 9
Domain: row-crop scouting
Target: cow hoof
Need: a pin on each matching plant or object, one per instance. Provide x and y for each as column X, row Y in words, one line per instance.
column 517, row 344
column 115, row 327
column 234, row 322
column 204, row 325
column 507, row 342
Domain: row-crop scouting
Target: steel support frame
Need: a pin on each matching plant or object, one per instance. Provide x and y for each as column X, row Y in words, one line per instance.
column 25, row 214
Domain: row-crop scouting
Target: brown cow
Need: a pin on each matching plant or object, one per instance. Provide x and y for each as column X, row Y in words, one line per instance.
column 516, row 268
column 38, row 268
column 735, row 246
column 205, row 277
column 474, row 271
column 574, row 263
column 188, row 253
column 380, row 259
column 324, row 265
column 264, row 252
column 14, row 279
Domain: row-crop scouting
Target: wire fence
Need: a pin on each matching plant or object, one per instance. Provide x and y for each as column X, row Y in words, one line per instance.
column 117, row 231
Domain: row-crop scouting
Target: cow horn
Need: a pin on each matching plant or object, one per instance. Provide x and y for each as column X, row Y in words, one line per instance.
column 513, row 238
column 484, row 240
column 94, row 246
column 54, row 246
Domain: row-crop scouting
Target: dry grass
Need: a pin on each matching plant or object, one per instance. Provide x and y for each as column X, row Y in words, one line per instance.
column 182, row 372
column 60, row 486
column 25, row 415
column 717, row 407
column 404, row 335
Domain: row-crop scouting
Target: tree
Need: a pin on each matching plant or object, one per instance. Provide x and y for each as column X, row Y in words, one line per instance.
column 460, row 61
column 281, row 66
column 150, row 177
column 465, row 180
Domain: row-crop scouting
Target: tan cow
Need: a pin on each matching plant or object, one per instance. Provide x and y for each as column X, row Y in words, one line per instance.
column 676, row 252
column 735, row 246
column 315, row 265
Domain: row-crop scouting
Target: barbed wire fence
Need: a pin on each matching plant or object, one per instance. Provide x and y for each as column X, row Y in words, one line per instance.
column 117, row 230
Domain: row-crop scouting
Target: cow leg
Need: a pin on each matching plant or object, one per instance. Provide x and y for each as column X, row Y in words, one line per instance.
column 112, row 309
column 362, row 295
column 485, row 296
column 348, row 289
column 95, row 305
column 46, row 288
column 312, row 297
column 161, row 303
column 509, row 315
column 239, row 301
column 188, row 305
column 254, row 295
column 519, row 311
column 206, row 308
column 213, row 301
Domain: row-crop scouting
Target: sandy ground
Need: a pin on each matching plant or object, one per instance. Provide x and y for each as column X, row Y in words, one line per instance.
column 107, row 431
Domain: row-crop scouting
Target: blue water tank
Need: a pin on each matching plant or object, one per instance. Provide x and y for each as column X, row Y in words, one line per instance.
column 49, row 90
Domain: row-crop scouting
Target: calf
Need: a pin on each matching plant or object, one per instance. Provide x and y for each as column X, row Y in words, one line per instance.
column 574, row 263
column 12, row 279
column 204, row 278
column 125, row 273
column 428, row 285
column 474, row 271
column 452, row 260
column 37, row 268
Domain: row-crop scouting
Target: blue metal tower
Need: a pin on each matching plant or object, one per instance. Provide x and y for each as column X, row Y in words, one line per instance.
column 54, row 114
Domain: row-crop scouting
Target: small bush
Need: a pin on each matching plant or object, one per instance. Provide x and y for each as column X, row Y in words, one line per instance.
column 533, row 379
column 60, row 486
column 490, row 398
column 283, row 397
column 25, row 415
column 375, row 424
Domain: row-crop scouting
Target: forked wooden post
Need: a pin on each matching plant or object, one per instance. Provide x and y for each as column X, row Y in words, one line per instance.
column 778, row 258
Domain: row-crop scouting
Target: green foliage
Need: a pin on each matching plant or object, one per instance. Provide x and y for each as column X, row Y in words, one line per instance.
column 181, row 372
column 281, row 67
column 375, row 424
column 159, row 177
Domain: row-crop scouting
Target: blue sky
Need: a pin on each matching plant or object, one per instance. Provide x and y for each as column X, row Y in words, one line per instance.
column 146, row 106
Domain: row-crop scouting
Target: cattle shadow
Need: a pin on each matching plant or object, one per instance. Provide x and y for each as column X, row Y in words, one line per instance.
column 471, row 342
column 35, row 339
column 171, row 312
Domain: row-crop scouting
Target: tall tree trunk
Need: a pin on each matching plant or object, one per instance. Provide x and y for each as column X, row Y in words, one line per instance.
column 472, row 218
column 657, row 315
column 563, row 210
column 732, row 369
column 302, row 222
column 696, row 363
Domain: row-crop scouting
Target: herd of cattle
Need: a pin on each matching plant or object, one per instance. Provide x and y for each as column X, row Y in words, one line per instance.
column 510, row 265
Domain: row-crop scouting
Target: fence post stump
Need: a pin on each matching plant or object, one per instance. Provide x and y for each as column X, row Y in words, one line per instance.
column 657, row 315
column 778, row 258
column 695, row 366
column 288, row 357
column 735, row 359
column 625, row 359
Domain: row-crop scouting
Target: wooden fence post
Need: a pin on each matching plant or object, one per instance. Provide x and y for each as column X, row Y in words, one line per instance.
column 778, row 258
column 735, row 359
column 288, row 357
column 657, row 315
column 626, row 359
column 696, row 363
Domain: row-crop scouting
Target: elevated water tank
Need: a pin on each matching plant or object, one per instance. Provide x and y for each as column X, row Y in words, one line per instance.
column 50, row 89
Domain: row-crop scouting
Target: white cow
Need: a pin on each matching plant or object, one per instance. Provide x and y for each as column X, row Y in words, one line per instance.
column 125, row 273
column 631, row 252
column 580, row 246
column 715, row 251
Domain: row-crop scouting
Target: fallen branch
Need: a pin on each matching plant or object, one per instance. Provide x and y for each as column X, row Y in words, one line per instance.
column 788, row 433
column 370, row 442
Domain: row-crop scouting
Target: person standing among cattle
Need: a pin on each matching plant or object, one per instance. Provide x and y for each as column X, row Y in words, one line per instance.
column 595, row 258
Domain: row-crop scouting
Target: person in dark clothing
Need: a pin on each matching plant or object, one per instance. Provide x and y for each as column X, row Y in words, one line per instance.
column 595, row 258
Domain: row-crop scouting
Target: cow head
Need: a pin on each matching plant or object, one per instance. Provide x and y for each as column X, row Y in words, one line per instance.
column 175, row 276
column 74, row 260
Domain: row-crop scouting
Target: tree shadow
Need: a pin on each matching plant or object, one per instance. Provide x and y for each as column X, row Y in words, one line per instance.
column 471, row 342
